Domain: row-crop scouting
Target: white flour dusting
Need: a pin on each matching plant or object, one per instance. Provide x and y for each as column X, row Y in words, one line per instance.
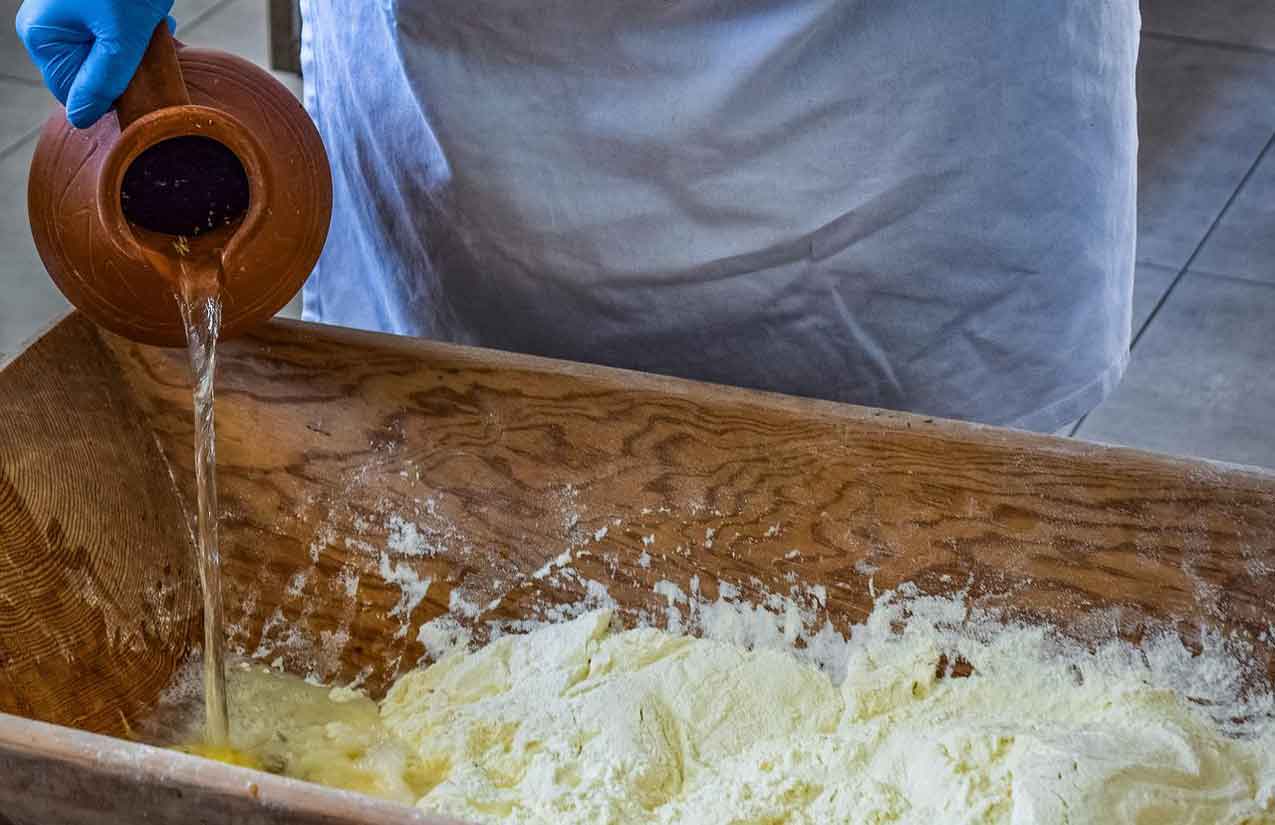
column 674, row 595
column 459, row 605
column 406, row 539
column 412, row 586
column 297, row 584
column 443, row 636
column 348, row 581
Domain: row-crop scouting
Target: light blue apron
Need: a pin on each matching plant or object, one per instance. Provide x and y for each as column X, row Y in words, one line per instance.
column 916, row 204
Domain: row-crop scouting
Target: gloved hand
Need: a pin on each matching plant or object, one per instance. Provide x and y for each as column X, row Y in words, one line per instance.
column 88, row 50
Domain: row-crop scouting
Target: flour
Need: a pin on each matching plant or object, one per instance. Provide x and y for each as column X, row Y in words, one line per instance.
column 348, row 581
column 674, row 595
column 273, row 621
column 331, row 644
column 574, row 724
column 865, row 568
column 296, row 584
column 412, row 589
column 596, row 593
column 773, row 715
column 442, row 636
column 406, row 539
column 581, row 722
column 561, row 560
column 458, row 604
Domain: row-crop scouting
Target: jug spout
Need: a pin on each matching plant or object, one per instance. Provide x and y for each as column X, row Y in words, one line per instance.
column 207, row 167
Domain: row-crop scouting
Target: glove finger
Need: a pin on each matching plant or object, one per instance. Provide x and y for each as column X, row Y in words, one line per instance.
column 102, row 78
column 60, row 69
column 58, row 51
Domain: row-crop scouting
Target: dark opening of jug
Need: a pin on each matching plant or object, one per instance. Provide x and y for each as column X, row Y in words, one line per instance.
column 185, row 186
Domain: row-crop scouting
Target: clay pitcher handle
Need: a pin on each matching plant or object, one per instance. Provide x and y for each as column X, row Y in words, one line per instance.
column 158, row 82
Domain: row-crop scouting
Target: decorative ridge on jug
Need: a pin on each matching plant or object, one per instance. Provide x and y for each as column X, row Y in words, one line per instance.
column 208, row 167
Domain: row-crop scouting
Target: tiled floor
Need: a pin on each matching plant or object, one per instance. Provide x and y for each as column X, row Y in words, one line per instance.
column 1202, row 378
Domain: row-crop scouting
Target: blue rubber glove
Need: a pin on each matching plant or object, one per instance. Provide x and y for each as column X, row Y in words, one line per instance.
column 88, row 50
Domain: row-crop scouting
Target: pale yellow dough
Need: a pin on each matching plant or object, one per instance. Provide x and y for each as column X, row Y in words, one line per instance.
column 571, row 724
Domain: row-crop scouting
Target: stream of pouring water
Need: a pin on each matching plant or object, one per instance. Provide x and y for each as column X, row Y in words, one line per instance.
column 200, row 304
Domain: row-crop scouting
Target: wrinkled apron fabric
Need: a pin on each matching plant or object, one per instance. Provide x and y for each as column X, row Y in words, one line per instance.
column 918, row 204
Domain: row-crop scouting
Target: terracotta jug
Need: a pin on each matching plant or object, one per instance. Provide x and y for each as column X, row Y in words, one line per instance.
column 113, row 207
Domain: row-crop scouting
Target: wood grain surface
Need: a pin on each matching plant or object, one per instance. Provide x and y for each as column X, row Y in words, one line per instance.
column 98, row 600
column 354, row 468
column 337, row 449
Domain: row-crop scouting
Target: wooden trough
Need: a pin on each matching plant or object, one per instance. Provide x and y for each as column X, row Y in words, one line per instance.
column 353, row 464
